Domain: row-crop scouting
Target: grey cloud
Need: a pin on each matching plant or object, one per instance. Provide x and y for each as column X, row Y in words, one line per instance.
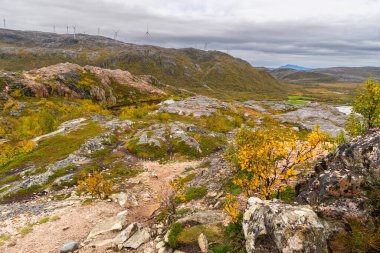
column 255, row 30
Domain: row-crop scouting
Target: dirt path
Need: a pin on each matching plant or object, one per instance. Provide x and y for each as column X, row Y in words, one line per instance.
column 76, row 220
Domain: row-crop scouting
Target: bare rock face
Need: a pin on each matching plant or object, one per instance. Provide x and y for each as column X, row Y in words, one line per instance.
column 277, row 227
column 338, row 189
column 329, row 118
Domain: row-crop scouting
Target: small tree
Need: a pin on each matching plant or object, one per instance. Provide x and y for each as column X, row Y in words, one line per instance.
column 269, row 158
column 367, row 103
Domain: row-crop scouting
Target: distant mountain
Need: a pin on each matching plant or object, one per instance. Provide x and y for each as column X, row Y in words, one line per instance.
column 210, row 73
column 295, row 67
column 327, row 75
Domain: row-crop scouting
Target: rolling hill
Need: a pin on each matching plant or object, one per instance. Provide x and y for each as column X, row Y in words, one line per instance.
column 205, row 72
column 327, row 75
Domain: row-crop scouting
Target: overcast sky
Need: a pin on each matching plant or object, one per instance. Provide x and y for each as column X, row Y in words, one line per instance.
column 313, row 33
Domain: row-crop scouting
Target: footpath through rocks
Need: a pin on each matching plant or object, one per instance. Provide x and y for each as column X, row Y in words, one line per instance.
column 45, row 224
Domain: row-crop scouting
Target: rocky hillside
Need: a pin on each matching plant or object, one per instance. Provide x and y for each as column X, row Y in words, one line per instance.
column 205, row 72
column 59, row 135
column 67, row 80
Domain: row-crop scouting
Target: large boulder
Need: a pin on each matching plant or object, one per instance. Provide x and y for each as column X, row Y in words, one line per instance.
column 278, row 227
column 342, row 181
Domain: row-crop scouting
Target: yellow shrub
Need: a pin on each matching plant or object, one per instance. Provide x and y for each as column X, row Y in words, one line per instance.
column 95, row 184
column 269, row 159
column 136, row 112
column 10, row 150
column 231, row 207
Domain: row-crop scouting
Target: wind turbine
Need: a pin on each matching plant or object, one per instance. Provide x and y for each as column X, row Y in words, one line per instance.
column 98, row 31
column 147, row 34
column 54, row 28
column 74, row 29
column 4, row 23
column 205, row 46
column 115, row 34
column 67, row 29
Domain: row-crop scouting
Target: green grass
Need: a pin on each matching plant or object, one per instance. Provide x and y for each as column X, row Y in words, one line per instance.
column 298, row 100
column 4, row 238
column 43, row 220
column 226, row 248
column 120, row 170
column 195, row 193
column 191, row 234
column 298, row 97
column 54, row 148
column 62, row 172
column 27, row 229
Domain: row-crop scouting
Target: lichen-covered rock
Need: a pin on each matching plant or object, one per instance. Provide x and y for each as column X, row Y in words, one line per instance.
column 204, row 217
column 196, row 106
column 111, row 87
column 164, row 140
column 117, row 222
column 338, row 187
column 142, row 235
column 213, row 174
column 277, row 227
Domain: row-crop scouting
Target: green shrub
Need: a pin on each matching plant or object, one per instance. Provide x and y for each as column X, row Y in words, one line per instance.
column 287, row 195
column 175, row 230
column 232, row 188
column 354, row 125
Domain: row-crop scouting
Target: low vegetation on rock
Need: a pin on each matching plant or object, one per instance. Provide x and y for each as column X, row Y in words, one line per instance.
column 139, row 164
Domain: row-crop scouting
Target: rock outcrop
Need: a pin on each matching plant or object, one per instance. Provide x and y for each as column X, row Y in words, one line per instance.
column 196, row 106
column 162, row 140
column 111, row 87
column 277, row 227
column 329, row 118
column 338, row 189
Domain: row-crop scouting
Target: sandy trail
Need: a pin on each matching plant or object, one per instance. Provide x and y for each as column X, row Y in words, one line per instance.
column 76, row 220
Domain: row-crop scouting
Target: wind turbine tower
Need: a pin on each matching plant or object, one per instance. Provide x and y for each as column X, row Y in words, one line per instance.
column 74, row 29
column 4, row 23
column 205, row 46
column 115, row 34
column 98, row 31
column 147, row 34
column 54, row 28
column 67, row 29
